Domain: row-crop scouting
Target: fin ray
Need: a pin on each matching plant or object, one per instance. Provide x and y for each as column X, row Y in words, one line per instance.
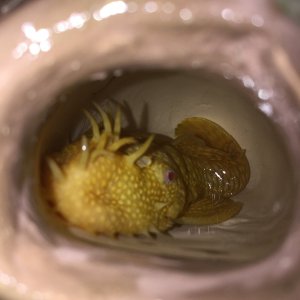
column 105, row 118
column 95, row 128
column 120, row 143
column 131, row 158
column 208, row 212
column 55, row 169
column 117, row 123
column 213, row 135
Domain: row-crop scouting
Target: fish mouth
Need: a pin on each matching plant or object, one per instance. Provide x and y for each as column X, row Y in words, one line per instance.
column 42, row 110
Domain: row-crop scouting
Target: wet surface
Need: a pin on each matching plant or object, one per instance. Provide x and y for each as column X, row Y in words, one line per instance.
column 48, row 53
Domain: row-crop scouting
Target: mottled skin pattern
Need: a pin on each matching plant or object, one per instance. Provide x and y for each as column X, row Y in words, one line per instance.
column 111, row 185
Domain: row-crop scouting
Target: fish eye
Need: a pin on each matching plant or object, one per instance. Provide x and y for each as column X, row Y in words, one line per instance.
column 169, row 176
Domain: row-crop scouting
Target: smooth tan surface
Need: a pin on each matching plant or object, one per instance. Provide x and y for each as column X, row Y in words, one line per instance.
column 235, row 39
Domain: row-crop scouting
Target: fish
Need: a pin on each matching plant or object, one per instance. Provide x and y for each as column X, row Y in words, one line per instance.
column 113, row 184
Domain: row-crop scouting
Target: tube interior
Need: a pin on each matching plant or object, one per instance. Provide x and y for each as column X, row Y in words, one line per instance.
column 157, row 101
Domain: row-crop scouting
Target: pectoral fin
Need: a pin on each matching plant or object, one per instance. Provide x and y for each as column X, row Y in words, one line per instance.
column 207, row 212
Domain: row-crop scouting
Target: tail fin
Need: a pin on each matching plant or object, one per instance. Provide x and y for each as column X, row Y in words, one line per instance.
column 213, row 135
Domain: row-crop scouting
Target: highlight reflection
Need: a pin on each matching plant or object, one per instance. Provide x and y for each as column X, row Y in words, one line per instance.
column 110, row 9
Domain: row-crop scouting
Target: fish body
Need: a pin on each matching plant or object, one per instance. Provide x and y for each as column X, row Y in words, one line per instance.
column 109, row 185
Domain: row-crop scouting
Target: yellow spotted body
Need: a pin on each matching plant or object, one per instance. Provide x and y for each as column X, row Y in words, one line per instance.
column 110, row 184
